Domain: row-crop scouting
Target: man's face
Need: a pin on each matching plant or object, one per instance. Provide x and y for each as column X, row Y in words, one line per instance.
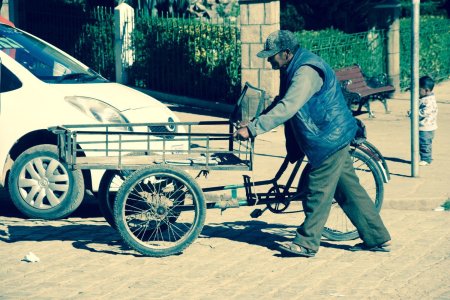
column 279, row 60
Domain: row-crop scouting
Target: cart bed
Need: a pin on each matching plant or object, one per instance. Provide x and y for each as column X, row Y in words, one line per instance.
column 194, row 145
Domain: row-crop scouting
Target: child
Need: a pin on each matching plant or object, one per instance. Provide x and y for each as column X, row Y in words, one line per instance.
column 427, row 119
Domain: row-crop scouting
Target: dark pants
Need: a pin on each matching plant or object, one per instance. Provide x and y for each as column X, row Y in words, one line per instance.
column 335, row 177
column 425, row 143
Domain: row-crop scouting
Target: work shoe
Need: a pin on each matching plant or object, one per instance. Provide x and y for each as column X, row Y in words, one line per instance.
column 297, row 249
column 384, row 247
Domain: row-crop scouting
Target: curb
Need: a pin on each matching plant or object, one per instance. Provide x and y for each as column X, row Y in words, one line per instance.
column 414, row 203
column 398, row 203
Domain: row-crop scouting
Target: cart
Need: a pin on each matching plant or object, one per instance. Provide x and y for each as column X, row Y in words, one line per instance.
column 158, row 208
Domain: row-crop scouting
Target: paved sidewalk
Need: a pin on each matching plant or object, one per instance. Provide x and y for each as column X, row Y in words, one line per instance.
column 236, row 256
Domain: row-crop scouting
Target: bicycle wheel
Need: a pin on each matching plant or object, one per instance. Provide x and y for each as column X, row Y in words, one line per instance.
column 107, row 190
column 338, row 227
column 159, row 210
column 380, row 157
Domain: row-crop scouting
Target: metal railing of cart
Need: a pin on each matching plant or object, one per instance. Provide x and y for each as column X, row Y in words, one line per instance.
column 109, row 146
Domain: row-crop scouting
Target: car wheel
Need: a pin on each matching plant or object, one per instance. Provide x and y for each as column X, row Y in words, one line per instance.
column 43, row 187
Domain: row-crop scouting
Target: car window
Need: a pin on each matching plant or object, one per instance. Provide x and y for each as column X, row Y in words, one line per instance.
column 8, row 81
column 44, row 61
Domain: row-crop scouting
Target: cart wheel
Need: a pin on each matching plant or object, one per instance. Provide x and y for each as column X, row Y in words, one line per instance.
column 159, row 210
column 107, row 191
column 280, row 206
column 338, row 227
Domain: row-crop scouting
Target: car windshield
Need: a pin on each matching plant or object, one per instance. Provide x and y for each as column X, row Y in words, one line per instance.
column 44, row 61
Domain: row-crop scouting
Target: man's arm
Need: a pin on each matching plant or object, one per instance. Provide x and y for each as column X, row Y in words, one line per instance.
column 305, row 83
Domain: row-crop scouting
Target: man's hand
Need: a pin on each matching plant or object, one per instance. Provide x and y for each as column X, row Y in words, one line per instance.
column 241, row 124
column 241, row 134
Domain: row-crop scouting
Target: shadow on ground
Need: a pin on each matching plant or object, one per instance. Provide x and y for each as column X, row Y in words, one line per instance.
column 399, row 160
column 87, row 209
column 89, row 231
column 267, row 235
column 95, row 235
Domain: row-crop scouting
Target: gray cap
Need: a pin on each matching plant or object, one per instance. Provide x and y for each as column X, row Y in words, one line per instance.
column 278, row 41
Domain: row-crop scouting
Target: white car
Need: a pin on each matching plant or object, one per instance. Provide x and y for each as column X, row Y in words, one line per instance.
column 41, row 86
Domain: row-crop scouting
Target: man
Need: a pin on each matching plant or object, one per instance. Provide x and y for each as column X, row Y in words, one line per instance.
column 318, row 124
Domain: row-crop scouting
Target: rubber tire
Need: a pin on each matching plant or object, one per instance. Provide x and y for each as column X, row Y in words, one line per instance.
column 380, row 156
column 105, row 203
column 106, row 198
column 334, row 235
column 129, row 184
column 70, row 201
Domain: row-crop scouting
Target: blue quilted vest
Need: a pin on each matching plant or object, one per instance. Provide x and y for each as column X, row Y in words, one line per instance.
column 324, row 124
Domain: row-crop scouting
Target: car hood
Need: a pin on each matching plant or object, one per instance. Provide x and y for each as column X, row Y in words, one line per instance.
column 120, row 96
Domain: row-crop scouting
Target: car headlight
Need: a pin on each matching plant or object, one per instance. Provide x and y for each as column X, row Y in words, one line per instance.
column 168, row 128
column 99, row 110
column 171, row 127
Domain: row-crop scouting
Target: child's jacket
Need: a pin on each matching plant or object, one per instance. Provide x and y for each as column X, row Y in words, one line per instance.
column 428, row 113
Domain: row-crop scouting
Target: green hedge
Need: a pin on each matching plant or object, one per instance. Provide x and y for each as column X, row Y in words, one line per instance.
column 434, row 49
column 95, row 46
column 187, row 57
column 368, row 49
column 202, row 60
column 340, row 49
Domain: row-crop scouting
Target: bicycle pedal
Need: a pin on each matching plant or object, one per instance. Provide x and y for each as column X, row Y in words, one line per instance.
column 256, row 213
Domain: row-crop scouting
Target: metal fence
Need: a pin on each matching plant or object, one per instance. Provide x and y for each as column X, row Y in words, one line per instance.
column 86, row 35
column 188, row 57
column 434, row 53
column 368, row 49
column 202, row 58
column 95, row 45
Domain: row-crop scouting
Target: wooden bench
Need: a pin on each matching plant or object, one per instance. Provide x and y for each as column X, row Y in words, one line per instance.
column 361, row 90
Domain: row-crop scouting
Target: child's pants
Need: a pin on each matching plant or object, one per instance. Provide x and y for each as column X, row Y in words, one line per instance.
column 425, row 143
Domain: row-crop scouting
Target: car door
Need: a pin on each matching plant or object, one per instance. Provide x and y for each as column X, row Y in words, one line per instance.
column 10, row 87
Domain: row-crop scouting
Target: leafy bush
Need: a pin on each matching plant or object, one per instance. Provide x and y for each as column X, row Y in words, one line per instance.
column 340, row 49
column 202, row 60
column 346, row 15
column 433, row 7
column 368, row 48
column 187, row 57
column 290, row 19
column 95, row 45
column 434, row 44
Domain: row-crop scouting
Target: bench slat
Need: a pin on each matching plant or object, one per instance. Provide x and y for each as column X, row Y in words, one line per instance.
column 357, row 88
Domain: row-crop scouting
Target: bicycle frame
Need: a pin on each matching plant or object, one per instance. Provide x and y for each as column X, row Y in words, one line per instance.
column 261, row 198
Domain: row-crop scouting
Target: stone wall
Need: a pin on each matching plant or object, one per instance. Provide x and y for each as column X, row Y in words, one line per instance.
column 258, row 19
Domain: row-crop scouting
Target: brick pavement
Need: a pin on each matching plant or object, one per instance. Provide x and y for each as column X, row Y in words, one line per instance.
column 236, row 257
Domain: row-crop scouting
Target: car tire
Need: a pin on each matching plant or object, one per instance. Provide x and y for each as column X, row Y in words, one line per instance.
column 38, row 194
